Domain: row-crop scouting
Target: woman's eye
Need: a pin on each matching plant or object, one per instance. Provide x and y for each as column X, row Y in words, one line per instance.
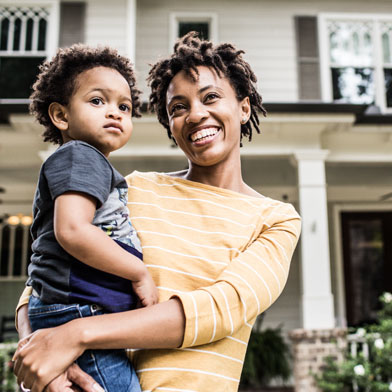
column 125, row 108
column 211, row 97
column 96, row 101
column 176, row 108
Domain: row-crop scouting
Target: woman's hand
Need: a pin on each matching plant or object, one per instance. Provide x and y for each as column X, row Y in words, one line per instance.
column 41, row 356
column 74, row 379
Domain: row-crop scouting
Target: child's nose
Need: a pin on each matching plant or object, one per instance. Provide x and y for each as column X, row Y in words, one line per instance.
column 113, row 112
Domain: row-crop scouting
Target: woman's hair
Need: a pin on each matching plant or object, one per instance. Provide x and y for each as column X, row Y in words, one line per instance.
column 189, row 53
column 57, row 77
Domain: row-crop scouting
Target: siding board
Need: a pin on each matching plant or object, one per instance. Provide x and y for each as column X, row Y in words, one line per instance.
column 106, row 28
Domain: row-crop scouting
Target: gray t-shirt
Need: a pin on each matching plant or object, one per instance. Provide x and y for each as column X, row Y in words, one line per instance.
column 53, row 273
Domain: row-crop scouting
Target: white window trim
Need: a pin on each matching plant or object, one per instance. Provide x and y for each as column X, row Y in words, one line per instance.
column 52, row 33
column 325, row 65
column 130, row 36
column 339, row 294
column 53, row 21
column 176, row 17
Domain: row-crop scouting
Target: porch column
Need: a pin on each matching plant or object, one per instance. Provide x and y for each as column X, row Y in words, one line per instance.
column 317, row 300
column 130, row 33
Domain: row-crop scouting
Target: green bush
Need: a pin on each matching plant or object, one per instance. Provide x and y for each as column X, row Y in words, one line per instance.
column 360, row 373
column 7, row 378
column 267, row 357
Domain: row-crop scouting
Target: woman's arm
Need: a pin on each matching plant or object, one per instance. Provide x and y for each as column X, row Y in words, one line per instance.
column 45, row 354
column 22, row 322
column 248, row 286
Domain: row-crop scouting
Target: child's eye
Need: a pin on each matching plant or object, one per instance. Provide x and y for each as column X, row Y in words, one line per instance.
column 96, row 101
column 125, row 108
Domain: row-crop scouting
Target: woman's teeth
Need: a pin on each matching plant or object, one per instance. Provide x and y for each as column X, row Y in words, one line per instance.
column 203, row 133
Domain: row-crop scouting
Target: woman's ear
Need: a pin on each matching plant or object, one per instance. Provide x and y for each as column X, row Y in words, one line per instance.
column 245, row 110
column 58, row 115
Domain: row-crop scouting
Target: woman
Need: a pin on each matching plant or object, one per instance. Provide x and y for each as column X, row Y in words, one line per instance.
column 218, row 251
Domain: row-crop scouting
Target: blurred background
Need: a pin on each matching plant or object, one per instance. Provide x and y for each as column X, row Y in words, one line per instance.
column 324, row 69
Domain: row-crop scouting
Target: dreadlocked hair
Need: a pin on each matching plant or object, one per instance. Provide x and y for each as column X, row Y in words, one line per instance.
column 189, row 53
column 56, row 81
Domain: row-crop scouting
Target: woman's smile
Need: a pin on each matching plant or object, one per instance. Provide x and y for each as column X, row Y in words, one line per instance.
column 204, row 135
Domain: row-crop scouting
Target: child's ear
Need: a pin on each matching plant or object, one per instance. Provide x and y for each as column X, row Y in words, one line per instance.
column 58, row 115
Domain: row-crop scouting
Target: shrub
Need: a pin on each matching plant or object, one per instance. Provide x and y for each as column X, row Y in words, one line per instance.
column 370, row 373
column 267, row 357
column 7, row 378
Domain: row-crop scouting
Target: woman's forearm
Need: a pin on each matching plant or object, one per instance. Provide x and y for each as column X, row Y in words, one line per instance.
column 22, row 322
column 158, row 326
column 47, row 353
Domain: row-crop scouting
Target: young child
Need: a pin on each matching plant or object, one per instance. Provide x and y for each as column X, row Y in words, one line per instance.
column 86, row 254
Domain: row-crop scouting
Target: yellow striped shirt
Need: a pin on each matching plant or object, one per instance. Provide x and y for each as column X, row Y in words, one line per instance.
column 226, row 256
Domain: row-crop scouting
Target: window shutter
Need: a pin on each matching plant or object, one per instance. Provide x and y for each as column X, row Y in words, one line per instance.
column 72, row 23
column 308, row 58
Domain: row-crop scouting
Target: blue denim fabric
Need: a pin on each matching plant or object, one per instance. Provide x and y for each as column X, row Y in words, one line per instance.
column 110, row 368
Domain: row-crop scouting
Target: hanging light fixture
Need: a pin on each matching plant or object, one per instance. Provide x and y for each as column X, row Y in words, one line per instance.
column 20, row 219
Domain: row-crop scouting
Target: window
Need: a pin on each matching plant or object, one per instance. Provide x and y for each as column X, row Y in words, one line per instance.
column 24, row 44
column 356, row 59
column 182, row 23
column 203, row 28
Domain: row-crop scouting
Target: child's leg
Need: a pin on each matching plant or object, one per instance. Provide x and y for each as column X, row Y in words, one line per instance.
column 110, row 368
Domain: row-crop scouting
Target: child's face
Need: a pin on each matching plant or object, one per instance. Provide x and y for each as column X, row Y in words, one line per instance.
column 100, row 110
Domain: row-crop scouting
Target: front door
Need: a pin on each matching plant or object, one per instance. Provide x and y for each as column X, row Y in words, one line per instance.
column 367, row 255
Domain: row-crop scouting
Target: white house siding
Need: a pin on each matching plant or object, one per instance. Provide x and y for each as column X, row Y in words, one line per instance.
column 106, row 23
column 264, row 29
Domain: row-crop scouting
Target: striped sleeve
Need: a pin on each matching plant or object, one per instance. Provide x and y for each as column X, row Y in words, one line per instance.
column 248, row 285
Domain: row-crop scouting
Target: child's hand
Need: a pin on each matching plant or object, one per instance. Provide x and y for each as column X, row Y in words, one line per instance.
column 145, row 289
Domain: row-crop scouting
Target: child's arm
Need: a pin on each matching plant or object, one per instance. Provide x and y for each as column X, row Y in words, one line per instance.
column 73, row 228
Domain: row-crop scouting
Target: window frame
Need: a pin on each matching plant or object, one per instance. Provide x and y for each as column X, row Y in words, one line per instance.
column 324, row 52
column 52, row 36
column 195, row 17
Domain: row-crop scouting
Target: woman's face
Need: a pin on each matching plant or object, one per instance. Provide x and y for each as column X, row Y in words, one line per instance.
column 205, row 117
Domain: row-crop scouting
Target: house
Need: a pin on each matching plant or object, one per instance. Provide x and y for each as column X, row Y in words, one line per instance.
column 325, row 73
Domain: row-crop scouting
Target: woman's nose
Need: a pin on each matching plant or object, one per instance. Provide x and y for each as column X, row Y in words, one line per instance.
column 197, row 113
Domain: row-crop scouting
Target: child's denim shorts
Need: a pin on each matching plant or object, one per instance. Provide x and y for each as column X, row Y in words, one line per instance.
column 110, row 368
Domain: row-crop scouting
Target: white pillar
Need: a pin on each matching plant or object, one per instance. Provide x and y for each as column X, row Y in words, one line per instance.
column 130, row 33
column 317, row 300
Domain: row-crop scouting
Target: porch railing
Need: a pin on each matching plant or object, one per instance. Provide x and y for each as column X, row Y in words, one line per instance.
column 358, row 345
column 15, row 250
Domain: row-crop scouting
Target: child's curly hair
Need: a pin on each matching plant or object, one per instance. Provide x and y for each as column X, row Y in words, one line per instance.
column 189, row 53
column 56, row 81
